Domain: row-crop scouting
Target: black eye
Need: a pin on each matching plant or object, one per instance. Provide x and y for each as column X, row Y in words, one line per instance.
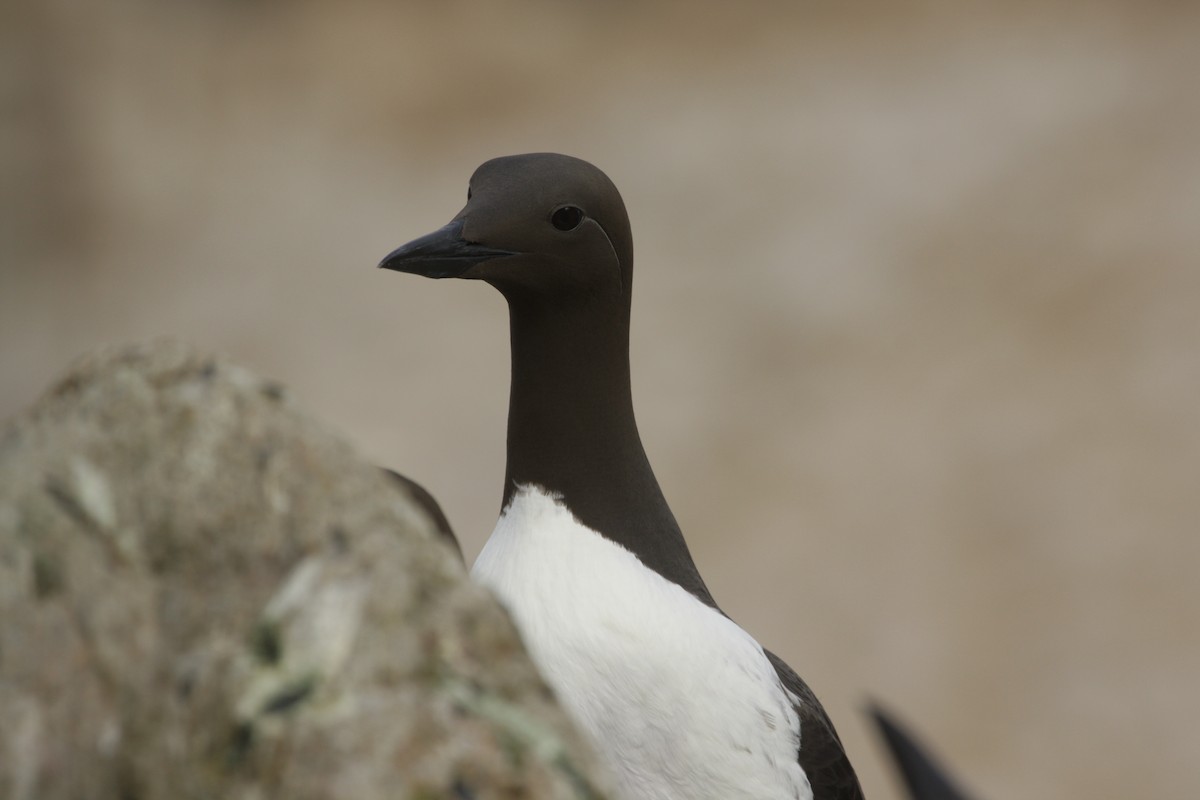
column 468, row 192
column 567, row 218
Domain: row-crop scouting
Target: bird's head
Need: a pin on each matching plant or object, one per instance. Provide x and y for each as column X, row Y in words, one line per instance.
column 540, row 227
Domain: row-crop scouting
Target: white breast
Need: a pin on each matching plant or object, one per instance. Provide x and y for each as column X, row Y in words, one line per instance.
column 680, row 701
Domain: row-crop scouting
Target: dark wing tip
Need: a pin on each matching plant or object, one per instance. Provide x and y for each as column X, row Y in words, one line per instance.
column 921, row 774
column 430, row 506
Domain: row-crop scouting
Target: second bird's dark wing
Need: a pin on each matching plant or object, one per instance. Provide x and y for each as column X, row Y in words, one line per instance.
column 924, row 779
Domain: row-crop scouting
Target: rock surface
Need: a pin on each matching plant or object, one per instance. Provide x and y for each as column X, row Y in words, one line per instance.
column 204, row 594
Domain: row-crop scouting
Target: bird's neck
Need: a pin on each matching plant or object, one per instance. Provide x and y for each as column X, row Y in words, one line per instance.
column 571, row 430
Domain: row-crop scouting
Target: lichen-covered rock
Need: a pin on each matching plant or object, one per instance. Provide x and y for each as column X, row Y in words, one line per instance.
column 205, row 594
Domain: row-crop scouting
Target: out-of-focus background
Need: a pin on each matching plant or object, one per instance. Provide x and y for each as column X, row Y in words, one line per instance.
column 916, row 321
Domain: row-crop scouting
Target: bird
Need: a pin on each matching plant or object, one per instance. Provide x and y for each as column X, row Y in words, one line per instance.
column 679, row 701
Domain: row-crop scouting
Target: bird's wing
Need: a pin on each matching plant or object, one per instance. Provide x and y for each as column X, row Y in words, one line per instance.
column 923, row 777
column 821, row 754
column 426, row 503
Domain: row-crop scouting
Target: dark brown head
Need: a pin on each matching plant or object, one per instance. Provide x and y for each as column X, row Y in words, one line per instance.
column 541, row 225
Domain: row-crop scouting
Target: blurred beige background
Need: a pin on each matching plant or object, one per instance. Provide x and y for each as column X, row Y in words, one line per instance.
column 916, row 319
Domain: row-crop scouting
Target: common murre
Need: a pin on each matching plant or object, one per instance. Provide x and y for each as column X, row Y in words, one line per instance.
column 679, row 700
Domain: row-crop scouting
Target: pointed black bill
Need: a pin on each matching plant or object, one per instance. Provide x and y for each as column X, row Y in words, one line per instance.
column 441, row 254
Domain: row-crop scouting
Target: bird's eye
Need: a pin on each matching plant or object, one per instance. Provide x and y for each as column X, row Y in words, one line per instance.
column 468, row 192
column 567, row 218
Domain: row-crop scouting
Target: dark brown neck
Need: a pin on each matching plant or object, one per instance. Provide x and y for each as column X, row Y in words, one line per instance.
column 571, row 430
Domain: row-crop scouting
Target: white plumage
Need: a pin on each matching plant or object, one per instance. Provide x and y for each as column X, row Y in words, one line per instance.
column 680, row 702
